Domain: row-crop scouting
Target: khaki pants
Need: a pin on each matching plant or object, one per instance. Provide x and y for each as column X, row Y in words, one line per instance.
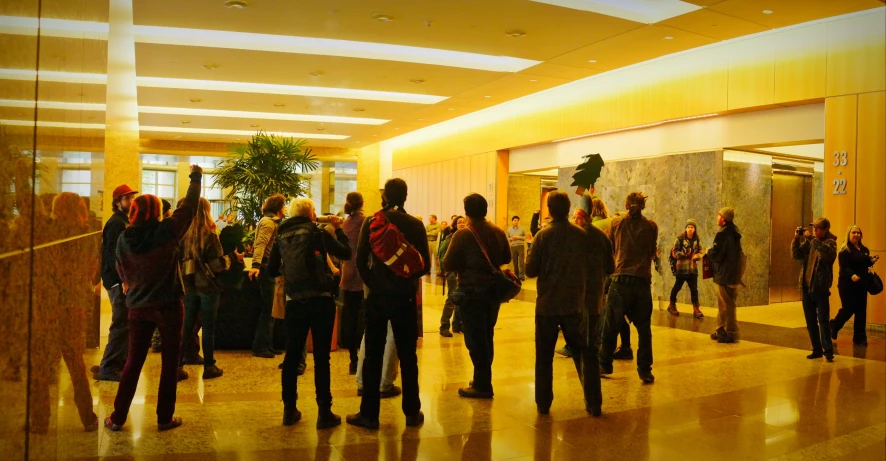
column 726, row 316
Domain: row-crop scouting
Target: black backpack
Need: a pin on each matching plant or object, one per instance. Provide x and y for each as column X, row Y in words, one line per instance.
column 305, row 271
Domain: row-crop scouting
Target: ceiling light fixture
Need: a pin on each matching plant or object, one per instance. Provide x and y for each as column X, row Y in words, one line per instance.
column 279, row 104
column 175, row 129
column 533, row 80
column 487, row 97
column 451, row 108
column 381, row 17
column 648, row 125
column 669, row 38
column 185, row 122
column 178, row 137
column 195, row 100
column 320, row 128
column 417, row 80
column 767, row 11
column 254, row 125
column 516, row 33
column 592, row 60
column 210, row 66
column 316, row 73
column 359, row 109
column 236, row 4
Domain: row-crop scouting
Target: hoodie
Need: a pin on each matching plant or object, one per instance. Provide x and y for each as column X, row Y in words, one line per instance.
column 147, row 255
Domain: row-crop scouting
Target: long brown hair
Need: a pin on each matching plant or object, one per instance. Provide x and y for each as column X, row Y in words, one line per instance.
column 195, row 237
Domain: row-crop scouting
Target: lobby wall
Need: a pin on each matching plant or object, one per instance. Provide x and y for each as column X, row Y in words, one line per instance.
column 524, row 197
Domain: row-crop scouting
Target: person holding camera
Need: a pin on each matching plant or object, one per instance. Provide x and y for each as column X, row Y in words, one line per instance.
column 817, row 249
column 855, row 262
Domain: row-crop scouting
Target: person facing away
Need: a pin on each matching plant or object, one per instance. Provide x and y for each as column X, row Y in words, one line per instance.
column 433, row 230
column 817, row 250
column 559, row 260
column 478, row 305
column 450, row 315
column 147, row 261
column 265, row 233
column 202, row 261
column 391, row 299
column 634, row 239
column 726, row 255
column 351, row 283
column 517, row 239
column 855, row 263
column 221, row 222
column 299, row 255
column 686, row 252
column 115, row 353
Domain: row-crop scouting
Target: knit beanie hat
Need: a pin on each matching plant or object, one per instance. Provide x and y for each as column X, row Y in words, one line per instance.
column 691, row 222
column 145, row 208
column 727, row 213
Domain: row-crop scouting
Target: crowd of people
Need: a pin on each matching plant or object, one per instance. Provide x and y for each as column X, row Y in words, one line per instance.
column 161, row 268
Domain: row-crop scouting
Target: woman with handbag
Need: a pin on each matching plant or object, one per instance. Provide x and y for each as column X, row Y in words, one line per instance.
column 202, row 260
column 855, row 265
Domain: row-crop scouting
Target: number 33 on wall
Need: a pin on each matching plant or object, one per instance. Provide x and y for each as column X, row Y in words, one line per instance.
column 840, row 159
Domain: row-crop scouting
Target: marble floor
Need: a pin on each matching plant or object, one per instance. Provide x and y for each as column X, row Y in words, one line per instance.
column 757, row 399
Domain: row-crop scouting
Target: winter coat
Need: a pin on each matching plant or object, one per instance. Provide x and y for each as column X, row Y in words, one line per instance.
column 726, row 254
column 818, row 256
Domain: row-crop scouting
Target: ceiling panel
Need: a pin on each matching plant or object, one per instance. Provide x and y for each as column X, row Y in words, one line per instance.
column 79, row 10
column 56, row 54
column 53, row 115
column 459, row 25
column 546, row 69
column 790, row 12
column 224, row 123
column 713, row 24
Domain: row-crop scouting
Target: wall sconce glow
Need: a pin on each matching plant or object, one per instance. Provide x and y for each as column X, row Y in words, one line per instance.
column 175, row 129
column 638, row 127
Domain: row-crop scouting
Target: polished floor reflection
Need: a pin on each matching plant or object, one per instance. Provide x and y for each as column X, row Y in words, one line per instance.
column 750, row 400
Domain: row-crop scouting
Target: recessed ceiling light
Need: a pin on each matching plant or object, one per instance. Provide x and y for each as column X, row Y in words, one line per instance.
column 669, row 38
column 515, row 33
column 320, row 128
column 195, row 100
column 210, row 66
column 254, row 125
column 396, row 128
column 375, row 136
column 421, row 120
column 417, row 80
column 451, row 108
column 592, row 60
column 767, row 11
column 487, row 96
column 359, row 109
column 533, row 80
column 236, row 139
column 185, row 122
column 381, row 17
column 316, row 73
column 236, row 4
column 178, row 137
column 279, row 104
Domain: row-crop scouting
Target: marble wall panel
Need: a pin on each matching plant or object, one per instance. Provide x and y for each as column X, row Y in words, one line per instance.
column 524, row 197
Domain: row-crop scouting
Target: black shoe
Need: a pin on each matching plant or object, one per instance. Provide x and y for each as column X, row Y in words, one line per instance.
column 829, row 357
column 352, row 369
column 212, row 371
column 860, row 342
column 182, row 374
column 194, row 360
column 646, row 377
column 726, row 340
column 471, row 393
column 605, row 369
column 327, row 419
column 301, row 368
column 362, row 421
column 564, row 351
column 415, row 420
column 542, row 410
column 834, row 329
column 596, row 412
column 623, row 353
column 392, row 392
column 715, row 336
column 94, row 369
column 456, row 329
column 264, row 354
column 445, row 333
column 291, row 415
column 277, row 351
column 815, row 355
column 280, row 366
column 175, row 422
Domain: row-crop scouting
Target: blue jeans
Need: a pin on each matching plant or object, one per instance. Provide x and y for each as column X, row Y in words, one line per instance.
column 264, row 329
column 817, row 309
column 206, row 306
column 118, row 334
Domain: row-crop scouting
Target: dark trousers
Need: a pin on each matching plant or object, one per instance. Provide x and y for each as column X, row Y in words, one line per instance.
column 518, row 257
column 264, row 329
column 118, row 334
column 205, row 306
column 624, row 331
column 352, row 314
column 403, row 317
column 546, row 332
column 854, row 301
column 817, row 309
column 450, row 310
column 689, row 279
column 318, row 315
column 631, row 297
column 479, row 314
column 142, row 322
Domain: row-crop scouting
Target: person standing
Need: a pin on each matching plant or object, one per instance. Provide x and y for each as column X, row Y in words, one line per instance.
column 686, row 252
column 634, row 238
column 299, row 255
column 726, row 258
column 265, row 233
column 391, row 298
column 817, row 250
column 517, row 239
column 855, row 262
column 601, row 219
column 115, row 353
column 433, row 231
column 479, row 307
column 559, row 260
column 147, row 261
column 450, row 310
column 351, row 283
column 221, row 222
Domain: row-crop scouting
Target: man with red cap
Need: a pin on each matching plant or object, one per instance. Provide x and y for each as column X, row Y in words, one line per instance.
column 118, row 336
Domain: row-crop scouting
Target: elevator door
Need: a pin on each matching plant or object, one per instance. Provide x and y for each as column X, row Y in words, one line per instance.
column 791, row 207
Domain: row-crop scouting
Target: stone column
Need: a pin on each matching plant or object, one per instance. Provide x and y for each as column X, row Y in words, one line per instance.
column 368, row 182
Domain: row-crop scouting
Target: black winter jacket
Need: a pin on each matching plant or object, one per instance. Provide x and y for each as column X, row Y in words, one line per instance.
column 323, row 243
column 725, row 254
column 113, row 228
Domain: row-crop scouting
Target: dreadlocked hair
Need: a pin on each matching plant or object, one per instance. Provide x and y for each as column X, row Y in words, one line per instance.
column 195, row 237
column 635, row 203
column 145, row 209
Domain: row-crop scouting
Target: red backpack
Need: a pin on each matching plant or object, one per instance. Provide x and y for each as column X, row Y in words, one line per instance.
column 391, row 247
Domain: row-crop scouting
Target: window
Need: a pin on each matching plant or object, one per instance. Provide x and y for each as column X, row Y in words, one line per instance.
column 214, row 194
column 160, row 183
column 77, row 181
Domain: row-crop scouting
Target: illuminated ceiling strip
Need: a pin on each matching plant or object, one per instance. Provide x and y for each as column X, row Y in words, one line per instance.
column 237, row 87
column 648, row 125
column 198, row 112
column 645, row 11
column 175, row 129
column 42, row 124
column 266, row 42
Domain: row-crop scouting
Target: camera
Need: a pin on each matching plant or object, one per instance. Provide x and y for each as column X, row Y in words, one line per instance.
column 800, row 230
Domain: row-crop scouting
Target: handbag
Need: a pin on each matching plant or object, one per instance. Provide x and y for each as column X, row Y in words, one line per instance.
column 706, row 269
column 875, row 284
column 507, row 285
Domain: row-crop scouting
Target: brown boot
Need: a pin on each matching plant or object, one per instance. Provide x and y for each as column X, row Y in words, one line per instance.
column 672, row 309
column 696, row 312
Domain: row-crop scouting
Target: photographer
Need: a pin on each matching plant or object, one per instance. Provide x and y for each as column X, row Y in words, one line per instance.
column 817, row 249
column 855, row 262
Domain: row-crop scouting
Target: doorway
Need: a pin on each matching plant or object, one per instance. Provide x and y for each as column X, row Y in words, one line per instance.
column 792, row 192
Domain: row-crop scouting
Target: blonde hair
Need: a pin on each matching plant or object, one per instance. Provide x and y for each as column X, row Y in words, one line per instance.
column 301, row 206
column 195, row 237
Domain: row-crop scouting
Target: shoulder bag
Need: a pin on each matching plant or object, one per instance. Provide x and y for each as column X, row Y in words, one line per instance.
column 507, row 285
column 875, row 283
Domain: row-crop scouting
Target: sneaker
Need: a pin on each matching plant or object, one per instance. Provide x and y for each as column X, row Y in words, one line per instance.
column 544, row 410
column 182, row 374
column 111, row 426
column 646, row 377
column 264, row 354
column 392, row 392
column 352, row 369
column 829, row 358
column 212, row 371
column 834, row 329
column 715, row 336
column 175, row 422
column 93, row 426
column 445, row 333
column 605, row 369
column 456, row 328
column 327, row 419
column 726, row 340
column 596, row 412
column 195, row 360
column 672, row 309
column 815, row 355
column 471, row 393
column 623, row 353
column 301, row 368
column 415, row 420
column 564, row 351
column 362, row 421
column 291, row 415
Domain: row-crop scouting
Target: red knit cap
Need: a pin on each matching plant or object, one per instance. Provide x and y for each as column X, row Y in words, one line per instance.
column 145, row 208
